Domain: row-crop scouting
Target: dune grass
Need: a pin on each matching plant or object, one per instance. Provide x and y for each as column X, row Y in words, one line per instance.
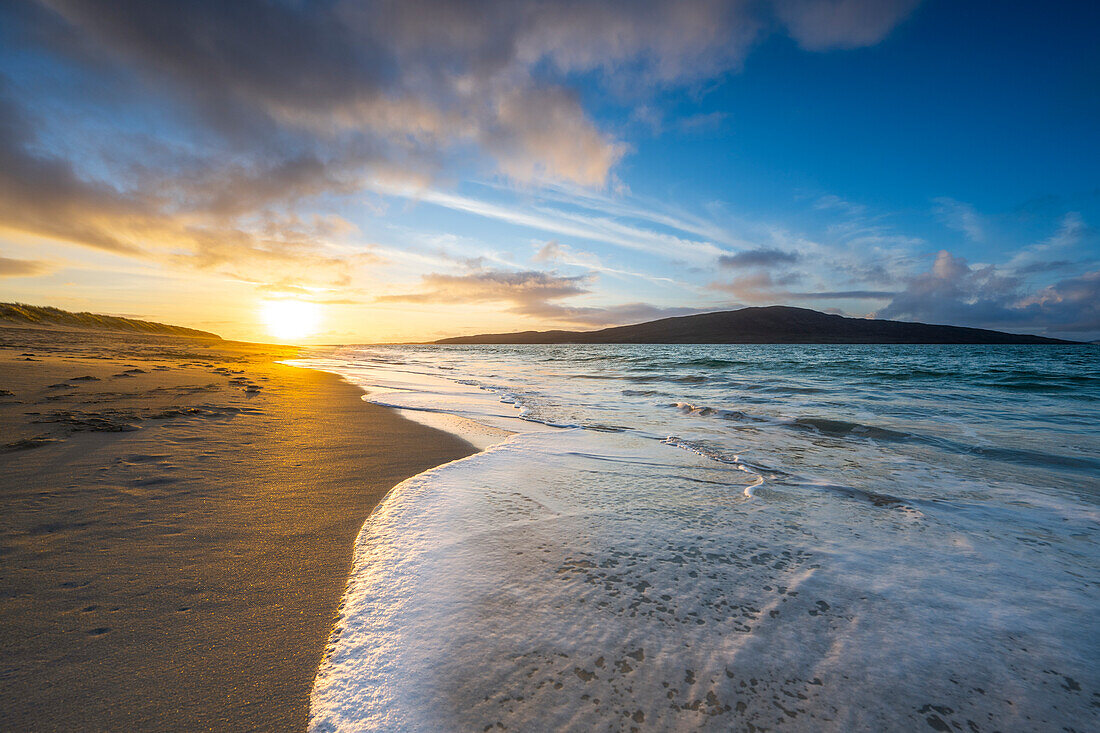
column 21, row 313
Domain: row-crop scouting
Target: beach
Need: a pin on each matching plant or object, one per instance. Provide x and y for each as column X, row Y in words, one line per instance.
column 178, row 527
column 207, row 535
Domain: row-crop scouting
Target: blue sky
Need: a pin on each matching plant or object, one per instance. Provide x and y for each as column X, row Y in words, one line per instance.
column 425, row 169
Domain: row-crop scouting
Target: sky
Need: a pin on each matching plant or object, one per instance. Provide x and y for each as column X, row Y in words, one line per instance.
column 342, row 171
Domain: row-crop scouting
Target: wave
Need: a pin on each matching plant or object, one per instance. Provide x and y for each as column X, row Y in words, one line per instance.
column 782, row 478
column 871, row 497
column 728, row 560
column 844, row 429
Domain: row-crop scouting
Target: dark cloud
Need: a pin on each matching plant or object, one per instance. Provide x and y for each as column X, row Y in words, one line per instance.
column 193, row 129
column 23, row 268
column 191, row 220
column 953, row 292
column 1069, row 306
column 400, row 79
column 758, row 258
column 819, row 25
column 844, row 295
column 231, row 57
column 1035, row 268
column 44, row 196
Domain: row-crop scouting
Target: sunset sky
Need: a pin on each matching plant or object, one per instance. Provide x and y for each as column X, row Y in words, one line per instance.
column 423, row 169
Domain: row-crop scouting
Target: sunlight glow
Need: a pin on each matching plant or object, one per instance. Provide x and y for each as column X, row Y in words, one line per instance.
column 290, row 319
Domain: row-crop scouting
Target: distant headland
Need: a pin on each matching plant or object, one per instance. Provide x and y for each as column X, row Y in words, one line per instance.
column 768, row 325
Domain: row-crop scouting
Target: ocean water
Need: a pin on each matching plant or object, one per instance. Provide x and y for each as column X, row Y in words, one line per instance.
column 723, row 538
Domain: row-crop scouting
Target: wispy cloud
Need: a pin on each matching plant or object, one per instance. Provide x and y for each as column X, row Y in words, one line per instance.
column 494, row 286
column 764, row 287
column 1072, row 231
column 758, row 258
column 532, row 293
column 593, row 228
column 10, row 267
column 962, row 217
column 616, row 315
column 554, row 251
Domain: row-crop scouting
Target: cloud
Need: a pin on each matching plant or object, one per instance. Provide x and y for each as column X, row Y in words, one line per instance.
column 1070, row 306
column 549, row 252
column 844, row 295
column 45, row 196
column 962, row 217
column 653, row 42
column 204, row 134
column 704, row 121
column 598, row 228
column 954, row 292
column 763, row 287
column 526, row 289
column 758, row 258
column 836, row 203
column 554, row 251
column 218, row 220
column 758, row 287
column 405, row 82
column 535, row 294
column 1072, row 231
column 23, row 268
column 821, row 25
column 545, row 134
column 1035, row 268
column 616, row 315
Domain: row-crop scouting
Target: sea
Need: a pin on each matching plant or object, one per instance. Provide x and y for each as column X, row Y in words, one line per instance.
column 729, row 537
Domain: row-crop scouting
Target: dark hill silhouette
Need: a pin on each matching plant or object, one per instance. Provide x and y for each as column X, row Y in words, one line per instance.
column 771, row 325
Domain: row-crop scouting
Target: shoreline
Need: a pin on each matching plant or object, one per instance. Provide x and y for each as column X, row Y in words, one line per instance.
column 180, row 529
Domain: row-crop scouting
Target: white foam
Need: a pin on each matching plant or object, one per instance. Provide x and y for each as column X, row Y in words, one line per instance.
column 478, row 434
column 588, row 580
column 545, row 585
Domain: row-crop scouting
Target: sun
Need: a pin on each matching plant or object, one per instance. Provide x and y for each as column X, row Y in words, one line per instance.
column 290, row 319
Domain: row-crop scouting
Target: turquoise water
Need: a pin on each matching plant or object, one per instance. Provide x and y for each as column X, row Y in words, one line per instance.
column 708, row 537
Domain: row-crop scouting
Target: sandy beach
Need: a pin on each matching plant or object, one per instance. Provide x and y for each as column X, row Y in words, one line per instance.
column 179, row 517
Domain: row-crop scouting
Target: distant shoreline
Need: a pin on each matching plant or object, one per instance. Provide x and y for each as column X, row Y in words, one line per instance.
column 769, row 325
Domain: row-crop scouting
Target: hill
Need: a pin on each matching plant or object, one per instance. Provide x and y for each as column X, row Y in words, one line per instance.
column 33, row 315
column 770, row 325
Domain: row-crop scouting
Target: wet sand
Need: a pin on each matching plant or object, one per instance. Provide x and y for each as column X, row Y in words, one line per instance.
column 178, row 523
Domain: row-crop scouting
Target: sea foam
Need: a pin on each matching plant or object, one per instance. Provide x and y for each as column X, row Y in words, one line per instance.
column 580, row 579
